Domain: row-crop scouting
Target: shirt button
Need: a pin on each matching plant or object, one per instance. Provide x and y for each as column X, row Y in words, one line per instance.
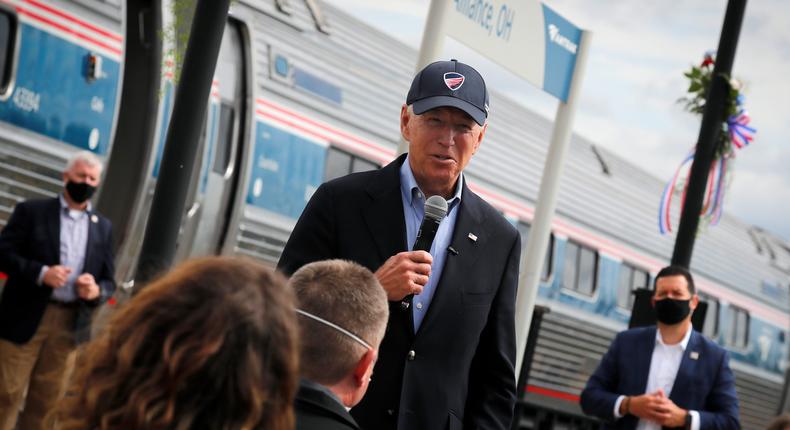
column 411, row 355
column 419, row 305
column 390, row 412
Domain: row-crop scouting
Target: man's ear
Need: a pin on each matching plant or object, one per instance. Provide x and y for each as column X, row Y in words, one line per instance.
column 365, row 367
column 405, row 117
column 480, row 137
column 694, row 302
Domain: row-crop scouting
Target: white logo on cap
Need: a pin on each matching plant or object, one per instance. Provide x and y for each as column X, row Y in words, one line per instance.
column 453, row 80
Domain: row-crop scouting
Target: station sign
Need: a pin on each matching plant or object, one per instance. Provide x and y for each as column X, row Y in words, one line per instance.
column 524, row 36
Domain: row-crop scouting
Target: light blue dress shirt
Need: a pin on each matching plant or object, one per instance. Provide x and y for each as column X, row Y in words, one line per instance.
column 73, row 243
column 413, row 211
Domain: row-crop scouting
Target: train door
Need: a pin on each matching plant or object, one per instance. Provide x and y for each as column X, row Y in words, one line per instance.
column 219, row 175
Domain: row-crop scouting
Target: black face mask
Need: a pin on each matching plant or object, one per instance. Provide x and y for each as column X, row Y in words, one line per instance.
column 80, row 191
column 669, row 311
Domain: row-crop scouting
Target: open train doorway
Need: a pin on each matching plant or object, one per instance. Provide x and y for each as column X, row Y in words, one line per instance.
column 210, row 214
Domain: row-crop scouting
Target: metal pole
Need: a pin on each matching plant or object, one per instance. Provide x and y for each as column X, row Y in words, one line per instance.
column 709, row 131
column 167, row 209
column 432, row 44
column 540, row 231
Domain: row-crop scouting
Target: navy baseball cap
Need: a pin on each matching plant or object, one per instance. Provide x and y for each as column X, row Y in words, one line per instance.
column 449, row 83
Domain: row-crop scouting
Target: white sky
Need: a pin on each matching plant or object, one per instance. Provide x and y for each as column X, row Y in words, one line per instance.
column 639, row 52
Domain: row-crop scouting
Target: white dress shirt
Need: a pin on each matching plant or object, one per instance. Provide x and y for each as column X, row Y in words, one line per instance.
column 664, row 366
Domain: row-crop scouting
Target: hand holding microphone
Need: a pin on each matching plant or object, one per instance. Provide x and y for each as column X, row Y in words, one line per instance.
column 405, row 273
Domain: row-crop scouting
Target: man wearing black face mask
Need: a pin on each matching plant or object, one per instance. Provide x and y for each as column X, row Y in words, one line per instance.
column 664, row 376
column 57, row 254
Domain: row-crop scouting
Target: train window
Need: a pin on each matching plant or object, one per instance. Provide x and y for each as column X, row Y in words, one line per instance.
column 586, row 281
column 711, row 328
column 738, row 332
column 571, row 261
column 7, row 44
column 362, row 165
column 581, row 267
column 523, row 229
column 340, row 163
column 224, row 139
column 630, row 279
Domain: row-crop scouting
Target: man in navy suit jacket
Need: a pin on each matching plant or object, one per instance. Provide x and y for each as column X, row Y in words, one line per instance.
column 454, row 368
column 57, row 254
column 669, row 376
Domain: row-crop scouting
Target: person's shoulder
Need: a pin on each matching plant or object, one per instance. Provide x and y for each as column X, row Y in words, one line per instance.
column 36, row 206
column 352, row 181
column 492, row 216
column 635, row 333
column 708, row 345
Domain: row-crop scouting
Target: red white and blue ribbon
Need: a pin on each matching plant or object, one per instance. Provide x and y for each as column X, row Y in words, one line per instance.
column 664, row 222
column 741, row 134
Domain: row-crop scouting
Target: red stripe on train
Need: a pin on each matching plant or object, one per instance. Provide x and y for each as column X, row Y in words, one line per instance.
column 552, row 393
column 68, row 17
column 63, row 28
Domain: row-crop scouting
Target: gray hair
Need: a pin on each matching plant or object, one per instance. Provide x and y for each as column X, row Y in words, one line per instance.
column 85, row 157
column 410, row 110
column 347, row 295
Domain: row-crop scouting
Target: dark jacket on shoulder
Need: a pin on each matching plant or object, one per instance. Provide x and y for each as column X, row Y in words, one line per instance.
column 317, row 410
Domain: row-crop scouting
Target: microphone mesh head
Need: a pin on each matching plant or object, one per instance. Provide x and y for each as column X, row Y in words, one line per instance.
column 436, row 207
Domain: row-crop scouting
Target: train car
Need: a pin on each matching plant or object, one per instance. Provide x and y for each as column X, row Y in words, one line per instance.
column 298, row 98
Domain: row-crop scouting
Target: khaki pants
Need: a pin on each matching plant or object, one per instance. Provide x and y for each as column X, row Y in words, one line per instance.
column 41, row 366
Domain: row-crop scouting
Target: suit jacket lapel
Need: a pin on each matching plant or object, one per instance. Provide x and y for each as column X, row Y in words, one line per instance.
column 93, row 236
column 384, row 216
column 644, row 355
column 385, row 221
column 53, row 225
column 448, row 293
column 688, row 366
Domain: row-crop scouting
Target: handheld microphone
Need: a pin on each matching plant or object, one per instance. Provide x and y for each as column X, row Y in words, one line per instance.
column 435, row 211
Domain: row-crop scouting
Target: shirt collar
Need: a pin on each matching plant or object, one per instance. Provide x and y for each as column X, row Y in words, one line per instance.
column 409, row 187
column 65, row 206
column 316, row 386
column 683, row 343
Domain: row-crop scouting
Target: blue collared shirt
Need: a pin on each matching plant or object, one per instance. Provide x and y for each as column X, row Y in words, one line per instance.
column 73, row 243
column 413, row 211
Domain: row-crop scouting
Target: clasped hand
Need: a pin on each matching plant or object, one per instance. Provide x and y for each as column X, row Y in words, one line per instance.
column 405, row 273
column 85, row 284
column 657, row 407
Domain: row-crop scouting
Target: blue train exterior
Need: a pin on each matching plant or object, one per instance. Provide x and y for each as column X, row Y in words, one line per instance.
column 295, row 102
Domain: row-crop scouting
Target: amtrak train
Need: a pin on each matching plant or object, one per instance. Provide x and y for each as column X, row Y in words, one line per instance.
column 297, row 99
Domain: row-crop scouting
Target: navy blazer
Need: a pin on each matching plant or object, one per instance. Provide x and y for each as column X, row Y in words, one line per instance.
column 31, row 240
column 704, row 381
column 316, row 410
column 457, row 370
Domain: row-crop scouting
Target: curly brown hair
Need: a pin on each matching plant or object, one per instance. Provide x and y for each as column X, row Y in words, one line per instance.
column 212, row 344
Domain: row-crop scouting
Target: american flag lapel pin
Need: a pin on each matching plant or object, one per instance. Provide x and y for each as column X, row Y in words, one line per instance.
column 472, row 237
column 694, row 355
column 94, row 219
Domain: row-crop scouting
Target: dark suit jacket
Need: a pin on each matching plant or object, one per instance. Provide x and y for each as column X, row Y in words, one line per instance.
column 464, row 352
column 705, row 384
column 31, row 240
column 315, row 410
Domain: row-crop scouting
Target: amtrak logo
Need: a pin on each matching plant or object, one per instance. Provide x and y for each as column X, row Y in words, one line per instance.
column 453, row 80
column 559, row 39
